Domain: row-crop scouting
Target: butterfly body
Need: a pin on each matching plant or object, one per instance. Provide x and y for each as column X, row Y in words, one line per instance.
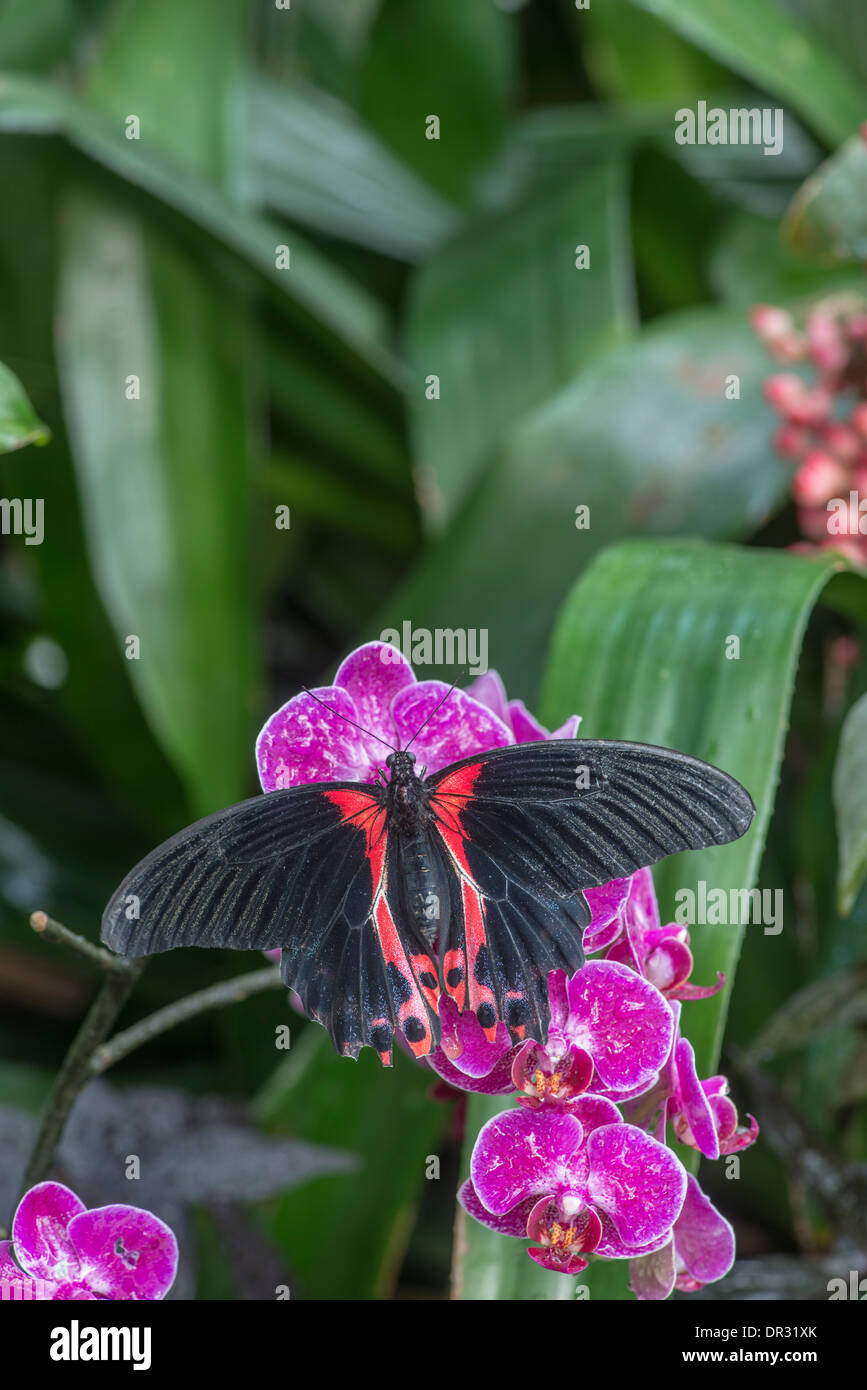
column 467, row 883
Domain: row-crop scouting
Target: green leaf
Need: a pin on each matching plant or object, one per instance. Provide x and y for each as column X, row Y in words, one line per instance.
column 35, row 34
column 850, row 803
column 645, row 437
column 829, row 215
column 640, row 652
column 635, row 58
column 325, row 299
column 752, row 264
column 69, row 608
column 555, row 142
column 313, row 161
column 504, row 318
column 18, row 423
column 343, row 1245
column 152, row 64
column 154, row 369
column 759, row 39
column 164, row 484
column 440, row 58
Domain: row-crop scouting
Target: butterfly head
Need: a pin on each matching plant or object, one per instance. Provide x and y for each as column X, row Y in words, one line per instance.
column 401, row 765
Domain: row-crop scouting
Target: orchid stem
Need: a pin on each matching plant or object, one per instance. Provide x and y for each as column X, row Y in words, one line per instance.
column 89, row 1054
column 46, row 927
column 120, row 977
column 215, row 997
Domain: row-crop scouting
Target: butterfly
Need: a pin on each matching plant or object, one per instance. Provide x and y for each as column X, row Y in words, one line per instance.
column 385, row 897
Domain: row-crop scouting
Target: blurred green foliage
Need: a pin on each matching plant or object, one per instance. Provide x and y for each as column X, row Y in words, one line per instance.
column 231, row 262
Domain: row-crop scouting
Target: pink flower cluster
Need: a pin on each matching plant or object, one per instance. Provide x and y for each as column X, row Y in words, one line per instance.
column 823, row 430
column 582, row 1167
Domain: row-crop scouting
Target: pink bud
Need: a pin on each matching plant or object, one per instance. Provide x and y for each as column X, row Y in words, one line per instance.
column 825, row 340
column 769, row 321
column 841, row 441
column 813, row 522
column 858, row 419
column 777, row 331
column 819, row 477
column 800, row 404
column 791, row 441
column 782, row 390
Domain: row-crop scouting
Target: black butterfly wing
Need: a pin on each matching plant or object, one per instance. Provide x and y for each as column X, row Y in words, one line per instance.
column 526, row 828
column 569, row 814
column 304, row 869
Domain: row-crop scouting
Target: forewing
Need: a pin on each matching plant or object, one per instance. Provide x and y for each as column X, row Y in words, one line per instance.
column 304, row 869
column 567, row 814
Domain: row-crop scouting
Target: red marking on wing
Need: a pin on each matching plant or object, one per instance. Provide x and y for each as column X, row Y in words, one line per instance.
column 367, row 813
column 469, row 992
column 459, row 783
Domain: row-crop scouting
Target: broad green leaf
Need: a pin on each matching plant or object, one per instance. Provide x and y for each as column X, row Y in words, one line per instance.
column 850, row 803
column 760, row 40
column 324, row 42
column 840, row 24
column 641, row 652
column 554, row 142
column 503, row 318
column 344, row 1235
column 152, row 65
column 35, row 34
column 69, row 609
column 752, row 264
column 313, row 161
column 644, row 437
column 441, row 58
column 157, row 388
column 18, row 423
column 829, row 215
column 635, row 58
column 329, row 302
column 164, row 484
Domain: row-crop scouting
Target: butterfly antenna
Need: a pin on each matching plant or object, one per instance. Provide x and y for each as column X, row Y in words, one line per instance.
column 348, row 720
column 435, row 708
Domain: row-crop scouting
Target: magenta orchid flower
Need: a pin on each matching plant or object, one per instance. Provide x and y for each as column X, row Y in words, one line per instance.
column 569, row 1174
column 60, row 1250
column 376, row 688
column 687, row 1112
column 700, row 1251
column 610, row 1031
column 466, row 1059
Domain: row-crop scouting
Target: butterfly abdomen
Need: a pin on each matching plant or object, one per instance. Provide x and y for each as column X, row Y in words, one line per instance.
column 423, row 884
